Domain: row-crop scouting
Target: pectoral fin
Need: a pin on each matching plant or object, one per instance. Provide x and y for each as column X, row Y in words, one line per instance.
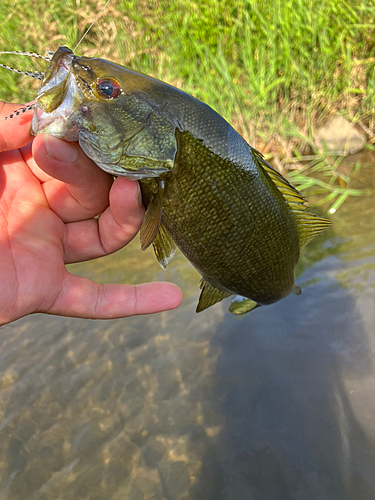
column 242, row 305
column 151, row 222
column 164, row 246
column 209, row 296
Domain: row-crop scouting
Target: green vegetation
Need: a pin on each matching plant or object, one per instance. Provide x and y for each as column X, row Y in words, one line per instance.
column 274, row 69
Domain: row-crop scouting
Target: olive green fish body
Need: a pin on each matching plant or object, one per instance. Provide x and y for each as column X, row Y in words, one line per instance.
column 236, row 219
column 230, row 221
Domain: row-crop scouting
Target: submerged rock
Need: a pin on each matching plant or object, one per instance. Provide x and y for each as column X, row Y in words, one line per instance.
column 341, row 136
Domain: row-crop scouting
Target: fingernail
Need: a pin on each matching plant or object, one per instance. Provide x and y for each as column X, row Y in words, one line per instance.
column 138, row 196
column 60, row 150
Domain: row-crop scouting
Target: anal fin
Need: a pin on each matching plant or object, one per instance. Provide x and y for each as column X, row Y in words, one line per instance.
column 164, row 246
column 242, row 305
column 209, row 296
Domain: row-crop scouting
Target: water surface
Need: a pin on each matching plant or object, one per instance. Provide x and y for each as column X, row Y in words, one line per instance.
column 278, row 404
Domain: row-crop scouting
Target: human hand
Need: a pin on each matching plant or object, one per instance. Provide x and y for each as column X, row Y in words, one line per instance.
column 50, row 192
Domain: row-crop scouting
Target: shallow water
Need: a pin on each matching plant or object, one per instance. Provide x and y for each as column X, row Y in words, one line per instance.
column 278, row 404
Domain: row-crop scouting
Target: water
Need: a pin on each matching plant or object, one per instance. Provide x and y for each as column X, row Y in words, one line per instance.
column 278, row 404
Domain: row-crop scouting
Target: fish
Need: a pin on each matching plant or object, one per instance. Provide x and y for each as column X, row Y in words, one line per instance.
column 239, row 222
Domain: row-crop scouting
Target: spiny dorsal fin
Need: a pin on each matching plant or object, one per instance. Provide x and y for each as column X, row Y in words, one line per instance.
column 209, row 296
column 164, row 246
column 308, row 224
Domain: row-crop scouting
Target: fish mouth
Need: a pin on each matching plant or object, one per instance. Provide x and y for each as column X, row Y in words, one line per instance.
column 58, row 97
column 59, row 73
column 57, row 123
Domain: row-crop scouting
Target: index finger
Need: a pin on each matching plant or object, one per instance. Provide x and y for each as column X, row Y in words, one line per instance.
column 15, row 130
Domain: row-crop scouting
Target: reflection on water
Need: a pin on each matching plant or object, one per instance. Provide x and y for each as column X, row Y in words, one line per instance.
column 278, row 404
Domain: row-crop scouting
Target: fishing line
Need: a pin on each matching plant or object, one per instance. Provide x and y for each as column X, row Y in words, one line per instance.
column 33, row 74
column 47, row 57
column 92, row 24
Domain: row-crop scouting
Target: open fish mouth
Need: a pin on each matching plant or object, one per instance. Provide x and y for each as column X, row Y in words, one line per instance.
column 54, row 123
column 60, row 72
column 58, row 97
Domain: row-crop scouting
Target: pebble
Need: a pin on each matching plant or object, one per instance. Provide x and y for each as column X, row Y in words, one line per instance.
column 342, row 137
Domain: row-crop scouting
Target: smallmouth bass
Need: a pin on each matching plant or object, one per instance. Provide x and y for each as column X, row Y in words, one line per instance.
column 235, row 218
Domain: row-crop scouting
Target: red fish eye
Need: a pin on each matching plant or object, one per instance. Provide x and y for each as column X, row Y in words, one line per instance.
column 108, row 88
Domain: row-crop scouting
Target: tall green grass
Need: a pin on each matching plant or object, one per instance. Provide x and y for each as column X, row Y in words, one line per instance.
column 274, row 69
column 241, row 56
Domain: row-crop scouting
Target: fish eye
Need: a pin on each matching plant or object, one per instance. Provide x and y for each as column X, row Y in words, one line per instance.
column 108, row 88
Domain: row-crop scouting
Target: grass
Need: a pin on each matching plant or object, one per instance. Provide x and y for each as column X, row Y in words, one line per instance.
column 274, row 69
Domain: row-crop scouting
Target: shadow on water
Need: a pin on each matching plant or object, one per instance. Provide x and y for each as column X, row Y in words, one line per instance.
column 298, row 384
column 290, row 430
column 275, row 405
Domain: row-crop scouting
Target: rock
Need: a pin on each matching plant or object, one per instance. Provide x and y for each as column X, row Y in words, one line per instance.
column 342, row 137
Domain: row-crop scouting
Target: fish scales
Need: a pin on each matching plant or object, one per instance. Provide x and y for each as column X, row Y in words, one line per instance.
column 236, row 219
column 216, row 217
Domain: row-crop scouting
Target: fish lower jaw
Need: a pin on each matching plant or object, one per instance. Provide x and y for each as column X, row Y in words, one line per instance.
column 55, row 124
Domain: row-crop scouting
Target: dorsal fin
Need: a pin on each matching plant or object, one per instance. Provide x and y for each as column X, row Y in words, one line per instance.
column 308, row 224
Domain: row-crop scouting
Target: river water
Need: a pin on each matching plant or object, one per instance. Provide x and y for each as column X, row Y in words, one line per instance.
column 278, row 404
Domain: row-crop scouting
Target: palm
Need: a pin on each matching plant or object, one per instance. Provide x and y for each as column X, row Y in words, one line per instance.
column 31, row 235
column 47, row 220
